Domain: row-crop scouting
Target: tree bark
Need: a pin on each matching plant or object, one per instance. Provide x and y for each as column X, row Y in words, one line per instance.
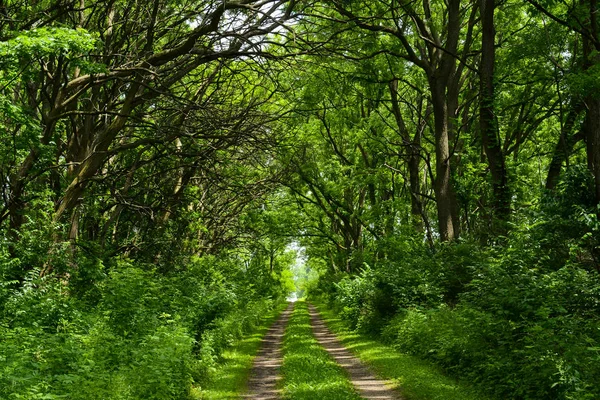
column 447, row 205
column 488, row 122
column 414, row 159
column 439, row 78
column 438, row 59
column 98, row 156
column 591, row 46
column 592, row 130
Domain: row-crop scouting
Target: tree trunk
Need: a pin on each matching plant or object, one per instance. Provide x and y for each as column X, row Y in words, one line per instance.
column 447, row 205
column 92, row 163
column 414, row 159
column 591, row 45
column 488, row 122
column 592, row 129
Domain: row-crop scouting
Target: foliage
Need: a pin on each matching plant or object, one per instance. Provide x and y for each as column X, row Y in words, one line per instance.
column 521, row 338
column 44, row 42
column 418, row 379
column 308, row 371
column 162, row 165
column 520, row 327
column 519, row 319
column 149, row 336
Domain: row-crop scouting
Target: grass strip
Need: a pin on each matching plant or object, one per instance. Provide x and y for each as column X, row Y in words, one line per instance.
column 417, row 379
column 308, row 370
column 229, row 379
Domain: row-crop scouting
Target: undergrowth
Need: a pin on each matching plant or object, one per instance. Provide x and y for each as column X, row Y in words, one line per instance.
column 142, row 335
column 415, row 378
column 308, row 371
column 228, row 380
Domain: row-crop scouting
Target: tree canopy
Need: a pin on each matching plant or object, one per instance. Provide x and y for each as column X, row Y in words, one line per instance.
column 437, row 161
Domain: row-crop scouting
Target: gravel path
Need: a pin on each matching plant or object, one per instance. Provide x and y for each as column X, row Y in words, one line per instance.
column 262, row 384
column 368, row 386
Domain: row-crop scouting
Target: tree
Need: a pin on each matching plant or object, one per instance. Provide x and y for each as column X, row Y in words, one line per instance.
column 582, row 19
column 487, row 120
column 436, row 51
column 87, row 98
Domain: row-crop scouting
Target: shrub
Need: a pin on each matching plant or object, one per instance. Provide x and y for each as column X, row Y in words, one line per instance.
column 521, row 333
column 149, row 336
column 224, row 332
column 162, row 364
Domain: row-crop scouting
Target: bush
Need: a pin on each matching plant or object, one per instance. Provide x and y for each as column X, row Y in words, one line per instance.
column 411, row 278
column 224, row 332
column 508, row 318
column 149, row 336
column 523, row 334
column 162, row 365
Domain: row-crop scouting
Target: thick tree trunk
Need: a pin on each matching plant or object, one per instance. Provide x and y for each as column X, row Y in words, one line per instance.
column 591, row 46
column 488, row 122
column 447, row 205
column 444, row 106
column 592, row 129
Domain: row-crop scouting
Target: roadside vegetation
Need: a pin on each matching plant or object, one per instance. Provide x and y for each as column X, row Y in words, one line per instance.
column 229, row 377
column 485, row 317
column 308, row 371
column 415, row 378
column 428, row 169
column 144, row 336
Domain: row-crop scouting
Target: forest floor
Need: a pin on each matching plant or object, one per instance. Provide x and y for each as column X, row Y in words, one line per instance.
column 308, row 354
column 265, row 381
column 368, row 386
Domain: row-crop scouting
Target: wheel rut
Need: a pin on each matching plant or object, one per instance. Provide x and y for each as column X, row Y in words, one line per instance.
column 264, row 376
column 368, row 386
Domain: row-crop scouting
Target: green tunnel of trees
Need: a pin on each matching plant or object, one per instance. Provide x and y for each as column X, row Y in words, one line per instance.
column 437, row 161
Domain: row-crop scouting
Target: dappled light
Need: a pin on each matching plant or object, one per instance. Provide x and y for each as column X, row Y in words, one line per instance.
column 180, row 180
column 362, row 379
column 263, row 382
column 307, row 370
